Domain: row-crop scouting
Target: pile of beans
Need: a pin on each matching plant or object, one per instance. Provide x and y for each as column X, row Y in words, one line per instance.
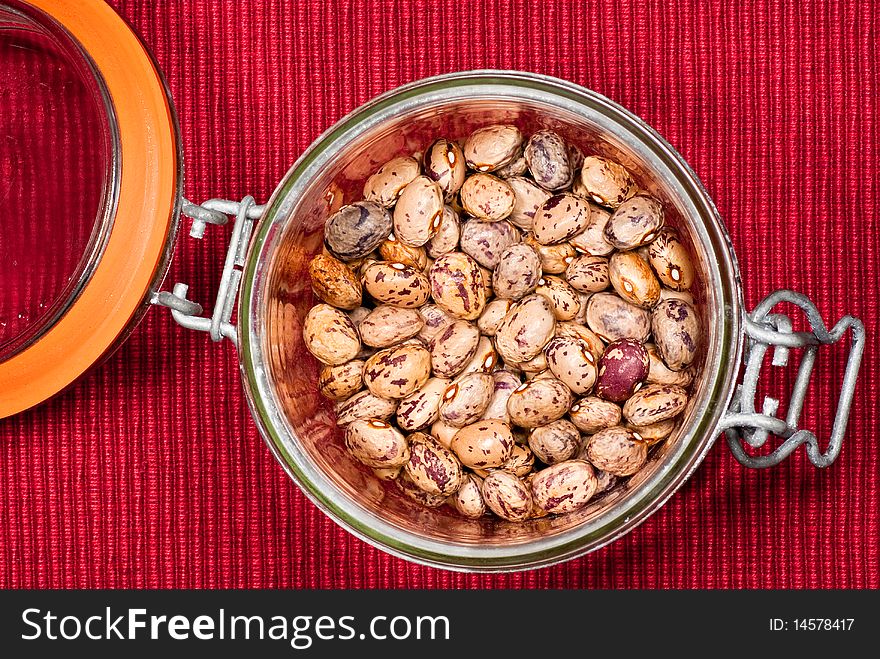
column 505, row 324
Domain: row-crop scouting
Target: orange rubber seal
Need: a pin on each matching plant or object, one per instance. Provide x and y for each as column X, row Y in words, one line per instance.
column 144, row 219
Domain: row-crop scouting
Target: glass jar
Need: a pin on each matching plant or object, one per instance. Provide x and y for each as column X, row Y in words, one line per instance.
column 268, row 258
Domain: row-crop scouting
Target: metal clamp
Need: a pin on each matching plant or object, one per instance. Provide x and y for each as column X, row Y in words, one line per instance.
column 744, row 425
column 188, row 313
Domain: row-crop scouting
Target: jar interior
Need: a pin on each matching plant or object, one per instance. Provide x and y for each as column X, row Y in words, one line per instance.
column 56, row 165
column 287, row 297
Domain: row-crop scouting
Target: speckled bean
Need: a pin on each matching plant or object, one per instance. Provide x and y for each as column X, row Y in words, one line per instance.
column 507, row 496
column 484, row 360
column 417, row 494
column 396, row 284
column 487, row 197
column 394, row 251
column 654, row 432
column 341, row 381
column 538, row 402
column 561, row 217
column 564, row 487
column 444, row 163
column 468, row 500
column 364, row 405
column 671, row 260
column 335, row 283
column 432, row 466
column 622, row 370
column 356, row 230
column 606, row 182
column 546, row 155
column 484, row 444
column 576, row 331
column 457, row 285
column 517, row 273
column 563, row 298
column 465, row 401
column 435, row 320
column 443, row 432
column 422, row 407
column 376, row 443
column 587, row 273
column 385, row 186
column 399, row 371
column 555, row 442
column 659, row 373
column 504, row 384
column 529, row 198
column 418, row 212
column 654, row 403
column 554, row 258
column 635, row 222
column 612, row 318
column 592, row 239
column 592, row 414
column 492, row 147
column 330, row 335
column 453, row 347
column 521, row 461
column 386, row 325
column 447, row 236
column 572, row 362
column 633, row 279
column 525, row 329
column 617, row 451
column 492, row 316
column 486, row 241
column 676, row 330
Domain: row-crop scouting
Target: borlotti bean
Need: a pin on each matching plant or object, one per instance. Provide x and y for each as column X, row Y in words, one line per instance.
column 398, row 371
column 457, row 285
column 432, row 466
column 341, row 381
column 507, row 496
column 468, row 500
column 453, row 347
column 444, row 163
column 617, row 450
column 465, row 401
column 364, row 405
column 555, row 442
column 422, row 407
column 492, row 147
column 385, row 186
column 386, row 325
column 487, row 197
column 486, row 443
column 564, row 486
column 588, row 274
column 539, row 402
column 396, row 284
column 498, row 362
column 485, row 242
column 335, row 283
column 447, row 236
column 418, row 212
column 394, row 251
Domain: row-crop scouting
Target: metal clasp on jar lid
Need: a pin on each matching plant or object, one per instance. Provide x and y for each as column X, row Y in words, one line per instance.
column 189, row 314
column 744, row 425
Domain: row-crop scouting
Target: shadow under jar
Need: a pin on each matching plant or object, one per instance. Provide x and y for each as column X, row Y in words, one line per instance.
column 281, row 376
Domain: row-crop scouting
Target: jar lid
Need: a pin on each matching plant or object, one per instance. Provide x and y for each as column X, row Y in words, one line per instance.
column 89, row 191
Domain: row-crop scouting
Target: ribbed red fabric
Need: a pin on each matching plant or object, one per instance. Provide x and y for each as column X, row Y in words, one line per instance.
column 150, row 473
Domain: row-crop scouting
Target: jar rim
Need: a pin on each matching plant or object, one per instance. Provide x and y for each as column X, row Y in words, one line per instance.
column 643, row 500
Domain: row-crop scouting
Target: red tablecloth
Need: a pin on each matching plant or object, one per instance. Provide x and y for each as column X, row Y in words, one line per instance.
column 150, row 473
